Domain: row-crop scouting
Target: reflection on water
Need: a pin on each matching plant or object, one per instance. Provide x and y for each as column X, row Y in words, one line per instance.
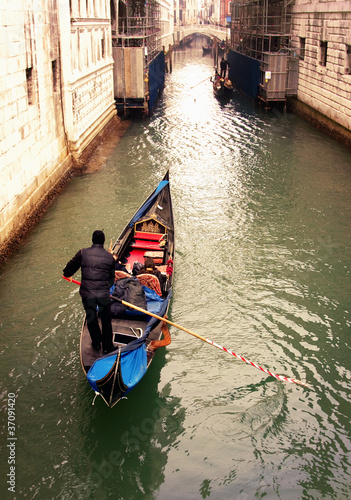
column 262, row 213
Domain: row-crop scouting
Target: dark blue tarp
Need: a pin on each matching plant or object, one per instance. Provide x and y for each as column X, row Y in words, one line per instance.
column 153, row 302
column 156, row 79
column 148, row 203
column 244, row 73
column 133, row 366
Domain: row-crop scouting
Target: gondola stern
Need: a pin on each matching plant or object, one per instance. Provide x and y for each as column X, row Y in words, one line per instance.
column 113, row 376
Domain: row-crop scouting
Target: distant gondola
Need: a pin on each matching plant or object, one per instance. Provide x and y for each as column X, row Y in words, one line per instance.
column 150, row 232
column 221, row 48
column 187, row 41
column 207, row 49
column 222, row 86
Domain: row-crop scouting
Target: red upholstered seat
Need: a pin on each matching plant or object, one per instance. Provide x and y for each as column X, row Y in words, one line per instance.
column 156, row 256
column 148, row 236
column 147, row 245
column 151, row 281
column 119, row 275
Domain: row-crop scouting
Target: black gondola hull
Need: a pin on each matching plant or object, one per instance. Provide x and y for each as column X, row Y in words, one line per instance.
column 152, row 227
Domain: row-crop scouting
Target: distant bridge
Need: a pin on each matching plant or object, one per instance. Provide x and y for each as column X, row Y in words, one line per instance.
column 203, row 29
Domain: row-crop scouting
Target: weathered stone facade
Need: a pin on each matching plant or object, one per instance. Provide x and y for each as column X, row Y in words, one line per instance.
column 87, row 64
column 34, row 151
column 56, row 82
column 322, row 37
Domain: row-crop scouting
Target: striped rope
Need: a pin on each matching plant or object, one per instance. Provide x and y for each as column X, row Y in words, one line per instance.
column 279, row 377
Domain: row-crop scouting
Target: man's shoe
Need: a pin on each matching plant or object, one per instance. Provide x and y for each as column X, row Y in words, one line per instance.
column 109, row 349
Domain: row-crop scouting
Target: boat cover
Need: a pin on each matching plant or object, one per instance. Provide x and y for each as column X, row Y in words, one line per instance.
column 133, row 366
column 129, row 290
column 133, row 357
column 142, row 210
column 99, row 370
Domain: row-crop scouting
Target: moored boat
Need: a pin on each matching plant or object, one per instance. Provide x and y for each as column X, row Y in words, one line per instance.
column 187, row 41
column 149, row 233
column 221, row 48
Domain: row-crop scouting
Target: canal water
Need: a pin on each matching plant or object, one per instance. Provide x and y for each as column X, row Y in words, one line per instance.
column 262, row 267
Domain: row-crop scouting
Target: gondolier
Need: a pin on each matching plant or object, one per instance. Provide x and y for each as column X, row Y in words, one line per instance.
column 224, row 64
column 98, row 273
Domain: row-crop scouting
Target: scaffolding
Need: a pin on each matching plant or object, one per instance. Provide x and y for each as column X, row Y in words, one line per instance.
column 260, row 26
column 139, row 25
column 261, row 29
column 135, row 45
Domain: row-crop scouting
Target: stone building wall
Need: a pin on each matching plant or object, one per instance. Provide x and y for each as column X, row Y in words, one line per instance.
column 87, row 64
column 322, row 37
column 34, row 153
column 56, row 99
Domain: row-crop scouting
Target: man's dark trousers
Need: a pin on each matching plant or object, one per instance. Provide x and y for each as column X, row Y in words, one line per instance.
column 90, row 307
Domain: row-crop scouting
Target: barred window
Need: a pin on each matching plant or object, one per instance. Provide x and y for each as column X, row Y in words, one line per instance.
column 30, row 85
column 302, row 48
column 323, row 53
column 348, row 60
column 54, row 74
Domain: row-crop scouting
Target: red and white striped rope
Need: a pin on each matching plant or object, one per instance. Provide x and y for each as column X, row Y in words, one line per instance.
column 279, row 377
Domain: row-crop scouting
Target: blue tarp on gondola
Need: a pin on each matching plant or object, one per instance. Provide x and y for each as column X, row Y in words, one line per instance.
column 130, row 367
column 133, row 366
column 100, row 369
column 148, row 203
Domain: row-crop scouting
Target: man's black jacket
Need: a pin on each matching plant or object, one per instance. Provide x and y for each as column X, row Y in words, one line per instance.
column 98, row 271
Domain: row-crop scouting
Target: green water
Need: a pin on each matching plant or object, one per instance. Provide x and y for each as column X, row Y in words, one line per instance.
column 262, row 267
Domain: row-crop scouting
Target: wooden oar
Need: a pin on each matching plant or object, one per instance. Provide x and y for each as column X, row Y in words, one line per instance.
column 199, row 83
column 132, row 306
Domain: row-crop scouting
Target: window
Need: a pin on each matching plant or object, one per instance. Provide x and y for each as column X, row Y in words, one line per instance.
column 30, row 85
column 348, row 60
column 302, row 48
column 323, row 53
column 54, row 74
column 102, row 48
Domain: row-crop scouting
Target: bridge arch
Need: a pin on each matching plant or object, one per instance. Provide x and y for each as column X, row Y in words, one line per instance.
column 202, row 29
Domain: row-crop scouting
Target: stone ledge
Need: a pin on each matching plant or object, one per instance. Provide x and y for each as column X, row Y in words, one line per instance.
column 320, row 121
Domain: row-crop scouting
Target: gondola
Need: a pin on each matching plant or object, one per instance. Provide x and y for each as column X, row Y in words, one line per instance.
column 222, row 87
column 207, row 49
column 221, row 48
column 150, row 232
column 187, row 41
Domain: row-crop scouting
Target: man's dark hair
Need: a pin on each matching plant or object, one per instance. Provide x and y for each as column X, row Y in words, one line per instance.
column 98, row 237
